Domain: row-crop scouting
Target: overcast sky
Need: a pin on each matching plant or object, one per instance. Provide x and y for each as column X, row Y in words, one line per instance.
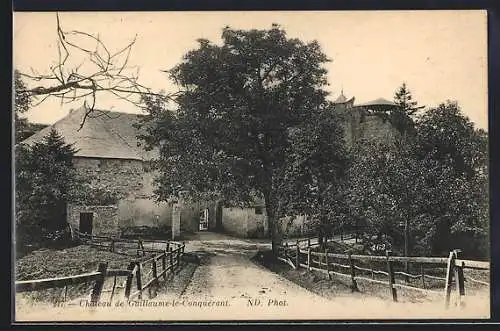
column 439, row 54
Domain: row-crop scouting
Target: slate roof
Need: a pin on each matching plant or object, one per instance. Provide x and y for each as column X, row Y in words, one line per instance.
column 105, row 134
column 377, row 102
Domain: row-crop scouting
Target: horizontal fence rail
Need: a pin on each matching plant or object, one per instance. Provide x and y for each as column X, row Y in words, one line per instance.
column 367, row 268
column 41, row 284
column 139, row 276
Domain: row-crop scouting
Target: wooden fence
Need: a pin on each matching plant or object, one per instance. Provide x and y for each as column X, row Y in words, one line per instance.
column 140, row 275
column 302, row 254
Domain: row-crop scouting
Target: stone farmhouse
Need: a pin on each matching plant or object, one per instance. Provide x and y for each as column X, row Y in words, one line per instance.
column 109, row 156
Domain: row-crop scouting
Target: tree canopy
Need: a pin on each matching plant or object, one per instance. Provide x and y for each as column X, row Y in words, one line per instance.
column 45, row 182
column 248, row 122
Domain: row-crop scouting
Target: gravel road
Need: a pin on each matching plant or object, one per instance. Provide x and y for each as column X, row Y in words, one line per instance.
column 227, row 285
column 227, row 274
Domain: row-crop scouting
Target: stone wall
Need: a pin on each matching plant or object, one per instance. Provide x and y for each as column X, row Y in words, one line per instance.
column 252, row 223
column 132, row 181
column 105, row 218
column 137, row 212
column 234, row 220
column 257, row 226
column 358, row 123
column 245, row 222
column 125, row 177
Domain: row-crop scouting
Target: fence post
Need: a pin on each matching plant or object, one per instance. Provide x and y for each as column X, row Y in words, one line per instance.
column 297, row 256
column 309, row 258
column 112, row 247
column 113, row 289
column 354, row 285
column 178, row 255
column 422, row 274
column 154, row 269
column 139, row 280
column 168, row 245
column 327, row 264
column 142, row 247
column 459, row 280
column 171, row 258
column 164, row 264
column 449, row 279
column 286, row 251
column 130, row 277
column 390, row 272
column 155, row 277
column 99, row 283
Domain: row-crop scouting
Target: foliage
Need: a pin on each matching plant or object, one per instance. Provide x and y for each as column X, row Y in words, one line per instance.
column 22, row 103
column 437, row 182
column 402, row 117
column 404, row 99
column 244, row 110
column 45, row 181
column 25, row 129
column 22, row 99
column 315, row 173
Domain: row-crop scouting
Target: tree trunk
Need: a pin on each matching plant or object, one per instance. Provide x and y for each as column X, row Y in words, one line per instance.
column 272, row 224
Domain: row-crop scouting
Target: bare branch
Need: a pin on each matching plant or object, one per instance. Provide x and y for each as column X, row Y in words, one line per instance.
column 98, row 71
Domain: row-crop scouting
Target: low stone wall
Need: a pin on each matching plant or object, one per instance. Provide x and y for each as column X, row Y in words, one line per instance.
column 245, row 222
column 137, row 212
column 105, row 218
column 234, row 220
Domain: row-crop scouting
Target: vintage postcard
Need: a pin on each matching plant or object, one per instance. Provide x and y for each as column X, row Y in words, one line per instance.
column 238, row 166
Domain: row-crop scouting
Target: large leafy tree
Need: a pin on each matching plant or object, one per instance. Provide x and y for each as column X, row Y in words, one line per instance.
column 45, row 182
column 315, row 173
column 459, row 151
column 437, row 183
column 244, row 125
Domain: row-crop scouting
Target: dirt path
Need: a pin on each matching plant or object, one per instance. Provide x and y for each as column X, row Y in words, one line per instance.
column 227, row 285
column 228, row 275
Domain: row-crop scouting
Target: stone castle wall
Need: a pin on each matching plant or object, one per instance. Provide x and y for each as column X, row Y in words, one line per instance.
column 360, row 124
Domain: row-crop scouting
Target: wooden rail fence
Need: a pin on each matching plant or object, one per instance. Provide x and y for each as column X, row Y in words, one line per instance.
column 140, row 275
column 301, row 255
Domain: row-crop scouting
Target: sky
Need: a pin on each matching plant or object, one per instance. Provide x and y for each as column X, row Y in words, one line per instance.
column 440, row 55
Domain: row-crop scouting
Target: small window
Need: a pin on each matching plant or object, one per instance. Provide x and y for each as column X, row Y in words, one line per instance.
column 258, row 210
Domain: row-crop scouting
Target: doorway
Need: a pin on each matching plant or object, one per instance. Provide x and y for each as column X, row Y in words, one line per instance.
column 86, row 220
